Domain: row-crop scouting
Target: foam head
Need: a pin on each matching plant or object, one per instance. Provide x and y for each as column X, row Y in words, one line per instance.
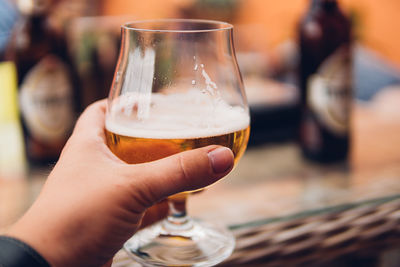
column 175, row 116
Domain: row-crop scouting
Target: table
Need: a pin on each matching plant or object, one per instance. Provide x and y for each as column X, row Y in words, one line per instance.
column 285, row 210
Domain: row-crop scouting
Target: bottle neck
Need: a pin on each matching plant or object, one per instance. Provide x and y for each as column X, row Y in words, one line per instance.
column 33, row 27
column 327, row 5
column 36, row 25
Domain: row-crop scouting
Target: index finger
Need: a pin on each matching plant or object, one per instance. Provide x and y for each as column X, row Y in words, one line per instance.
column 92, row 120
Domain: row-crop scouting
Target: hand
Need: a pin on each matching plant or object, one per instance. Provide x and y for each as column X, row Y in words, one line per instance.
column 93, row 202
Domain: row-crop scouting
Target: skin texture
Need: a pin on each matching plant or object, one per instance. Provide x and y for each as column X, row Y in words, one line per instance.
column 92, row 202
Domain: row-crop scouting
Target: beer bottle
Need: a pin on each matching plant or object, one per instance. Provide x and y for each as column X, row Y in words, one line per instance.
column 325, row 82
column 44, row 82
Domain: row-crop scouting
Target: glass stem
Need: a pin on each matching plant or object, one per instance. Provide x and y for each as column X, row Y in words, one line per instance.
column 177, row 218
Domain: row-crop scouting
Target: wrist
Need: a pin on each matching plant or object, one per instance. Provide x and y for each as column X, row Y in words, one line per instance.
column 33, row 236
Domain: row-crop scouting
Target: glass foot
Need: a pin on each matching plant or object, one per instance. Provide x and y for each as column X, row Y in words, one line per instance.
column 199, row 244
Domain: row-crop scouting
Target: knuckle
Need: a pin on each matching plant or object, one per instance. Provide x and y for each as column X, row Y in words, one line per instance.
column 184, row 174
column 95, row 105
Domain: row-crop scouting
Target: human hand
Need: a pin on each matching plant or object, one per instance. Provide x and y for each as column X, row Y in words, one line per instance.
column 92, row 202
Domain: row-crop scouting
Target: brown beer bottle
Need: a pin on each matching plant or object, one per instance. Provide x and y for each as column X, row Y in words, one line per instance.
column 45, row 87
column 325, row 82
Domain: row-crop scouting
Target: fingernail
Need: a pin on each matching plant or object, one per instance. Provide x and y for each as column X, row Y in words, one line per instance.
column 221, row 159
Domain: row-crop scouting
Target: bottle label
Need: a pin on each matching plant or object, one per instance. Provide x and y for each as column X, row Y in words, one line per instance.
column 46, row 100
column 329, row 92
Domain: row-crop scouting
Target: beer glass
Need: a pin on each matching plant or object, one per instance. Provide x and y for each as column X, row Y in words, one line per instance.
column 176, row 87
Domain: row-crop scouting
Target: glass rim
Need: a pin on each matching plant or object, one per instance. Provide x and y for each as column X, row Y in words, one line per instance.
column 134, row 25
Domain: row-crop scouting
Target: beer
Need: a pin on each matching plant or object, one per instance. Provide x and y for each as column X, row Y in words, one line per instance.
column 325, row 82
column 168, row 131
column 139, row 150
column 45, row 81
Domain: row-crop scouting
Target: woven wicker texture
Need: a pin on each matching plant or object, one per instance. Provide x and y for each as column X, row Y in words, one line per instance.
column 313, row 237
column 319, row 238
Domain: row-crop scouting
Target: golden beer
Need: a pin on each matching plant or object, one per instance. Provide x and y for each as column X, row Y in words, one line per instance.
column 139, row 150
column 151, row 129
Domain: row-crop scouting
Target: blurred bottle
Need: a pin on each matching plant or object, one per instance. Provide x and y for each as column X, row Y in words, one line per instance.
column 94, row 43
column 45, row 82
column 325, row 82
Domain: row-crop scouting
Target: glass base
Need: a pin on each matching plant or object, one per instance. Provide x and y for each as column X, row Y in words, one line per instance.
column 164, row 244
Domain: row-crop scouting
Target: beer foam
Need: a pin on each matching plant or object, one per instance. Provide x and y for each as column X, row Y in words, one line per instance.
column 175, row 116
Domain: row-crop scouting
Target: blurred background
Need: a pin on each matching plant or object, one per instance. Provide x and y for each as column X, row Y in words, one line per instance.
column 87, row 33
column 57, row 57
column 266, row 34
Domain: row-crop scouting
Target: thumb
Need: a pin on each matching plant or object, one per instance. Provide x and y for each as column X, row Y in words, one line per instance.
column 184, row 171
